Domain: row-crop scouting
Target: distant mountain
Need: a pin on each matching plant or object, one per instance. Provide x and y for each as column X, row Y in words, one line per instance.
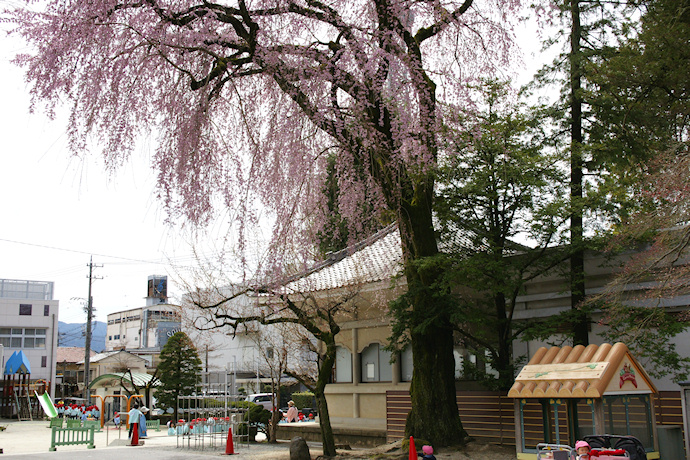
column 72, row 335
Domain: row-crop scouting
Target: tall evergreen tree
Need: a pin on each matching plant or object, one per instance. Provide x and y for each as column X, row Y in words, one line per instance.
column 179, row 370
column 599, row 181
column 501, row 183
column 645, row 87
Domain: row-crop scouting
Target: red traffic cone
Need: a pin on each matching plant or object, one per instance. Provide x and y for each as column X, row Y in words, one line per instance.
column 135, row 434
column 413, row 451
column 229, row 447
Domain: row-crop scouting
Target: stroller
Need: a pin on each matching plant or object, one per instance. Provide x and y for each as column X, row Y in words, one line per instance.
column 604, row 447
column 555, row 452
column 632, row 446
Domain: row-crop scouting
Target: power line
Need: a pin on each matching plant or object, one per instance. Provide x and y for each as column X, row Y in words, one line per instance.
column 75, row 251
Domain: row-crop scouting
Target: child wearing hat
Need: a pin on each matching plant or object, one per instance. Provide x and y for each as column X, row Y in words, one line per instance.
column 427, row 453
column 582, row 449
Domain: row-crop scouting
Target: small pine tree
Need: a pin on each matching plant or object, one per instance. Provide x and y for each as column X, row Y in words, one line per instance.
column 179, row 370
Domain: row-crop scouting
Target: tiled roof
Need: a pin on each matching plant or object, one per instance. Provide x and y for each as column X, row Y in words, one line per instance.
column 581, row 372
column 71, row 354
column 374, row 259
column 377, row 258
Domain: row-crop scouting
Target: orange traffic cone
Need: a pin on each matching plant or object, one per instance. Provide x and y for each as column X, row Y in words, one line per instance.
column 229, row 447
column 413, row 451
column 135, row 434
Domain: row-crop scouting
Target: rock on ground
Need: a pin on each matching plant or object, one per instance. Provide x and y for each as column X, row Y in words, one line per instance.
column 299, row 449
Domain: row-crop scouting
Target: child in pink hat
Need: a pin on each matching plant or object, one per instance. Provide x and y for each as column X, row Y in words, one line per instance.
column 427, row 453
column 582, row 449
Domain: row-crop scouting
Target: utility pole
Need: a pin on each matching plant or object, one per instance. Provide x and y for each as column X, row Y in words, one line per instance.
column 87, row 345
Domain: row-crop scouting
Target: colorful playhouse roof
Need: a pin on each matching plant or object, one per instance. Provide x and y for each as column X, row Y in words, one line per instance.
column 17, row 364
column 581, row 372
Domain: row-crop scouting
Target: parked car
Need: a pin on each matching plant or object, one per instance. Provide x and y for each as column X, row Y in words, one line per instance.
column 262, row 399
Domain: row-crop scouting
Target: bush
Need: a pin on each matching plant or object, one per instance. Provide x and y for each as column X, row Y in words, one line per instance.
column 212, row 402
column 257, row 414
column 241, row 404
column 303, row 399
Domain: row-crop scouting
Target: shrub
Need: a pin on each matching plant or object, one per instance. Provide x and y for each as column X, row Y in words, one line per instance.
column 303, row 399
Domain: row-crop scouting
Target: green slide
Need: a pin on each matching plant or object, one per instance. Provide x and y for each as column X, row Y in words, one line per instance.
column 47, row 404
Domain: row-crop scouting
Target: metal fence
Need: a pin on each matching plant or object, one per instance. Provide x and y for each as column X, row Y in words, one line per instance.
column 206, row 418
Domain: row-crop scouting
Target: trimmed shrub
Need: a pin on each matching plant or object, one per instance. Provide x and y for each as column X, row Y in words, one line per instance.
column 303, row 399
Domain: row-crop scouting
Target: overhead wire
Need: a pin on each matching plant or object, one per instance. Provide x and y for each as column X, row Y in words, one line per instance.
column 175, row 262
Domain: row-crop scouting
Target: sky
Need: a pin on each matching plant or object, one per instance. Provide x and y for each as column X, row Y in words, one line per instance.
column 59, row 212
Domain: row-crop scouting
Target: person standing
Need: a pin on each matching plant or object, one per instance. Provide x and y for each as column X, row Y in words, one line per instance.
column 133, row 419
column 292, row 413
column 142, row 422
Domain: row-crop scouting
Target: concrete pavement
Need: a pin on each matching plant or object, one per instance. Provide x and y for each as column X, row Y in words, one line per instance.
column 31, row 440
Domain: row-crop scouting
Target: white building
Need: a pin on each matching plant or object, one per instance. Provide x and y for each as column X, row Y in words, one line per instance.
column 251, row 353
column 220, row 349
column 144, row 330
column 29, row 322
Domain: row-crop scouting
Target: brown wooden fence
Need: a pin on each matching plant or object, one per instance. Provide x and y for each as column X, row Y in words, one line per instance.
column 489, row 416
column 485, row 415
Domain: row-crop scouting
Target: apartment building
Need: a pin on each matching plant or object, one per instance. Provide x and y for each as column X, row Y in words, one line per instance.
column 29, row 323
column 145, row 330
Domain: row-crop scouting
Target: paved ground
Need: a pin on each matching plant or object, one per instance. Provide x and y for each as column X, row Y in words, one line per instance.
column 31, row 440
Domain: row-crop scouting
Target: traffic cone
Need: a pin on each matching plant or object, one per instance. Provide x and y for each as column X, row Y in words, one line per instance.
column 135, row 434
column 413, row 451
column 229, row 447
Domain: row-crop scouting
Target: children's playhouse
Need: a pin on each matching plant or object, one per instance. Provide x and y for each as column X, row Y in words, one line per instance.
column 566, row 393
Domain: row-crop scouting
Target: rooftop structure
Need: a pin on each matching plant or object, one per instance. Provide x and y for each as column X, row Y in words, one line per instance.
column 24, row 289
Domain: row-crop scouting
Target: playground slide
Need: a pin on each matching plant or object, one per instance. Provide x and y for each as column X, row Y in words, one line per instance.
column 47, row 404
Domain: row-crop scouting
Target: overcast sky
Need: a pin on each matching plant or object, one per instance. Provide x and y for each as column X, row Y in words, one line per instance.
column 57, row 212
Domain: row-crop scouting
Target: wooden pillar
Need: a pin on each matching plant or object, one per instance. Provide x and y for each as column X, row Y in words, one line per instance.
column 519, row 447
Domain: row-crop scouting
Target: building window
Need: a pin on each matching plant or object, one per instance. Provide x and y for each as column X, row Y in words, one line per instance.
column 376, row 365
column 343, row 365
column 117, row 337
column 269, row 353
column 22, row 338
column 46, row 310
column 110, row 337
column 44, row 361
column 25, row 309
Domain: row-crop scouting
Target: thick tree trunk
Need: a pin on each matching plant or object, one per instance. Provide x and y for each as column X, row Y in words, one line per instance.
column 434, row 416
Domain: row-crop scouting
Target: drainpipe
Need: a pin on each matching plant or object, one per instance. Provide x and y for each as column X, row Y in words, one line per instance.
column 53, row 357
column 356, row 372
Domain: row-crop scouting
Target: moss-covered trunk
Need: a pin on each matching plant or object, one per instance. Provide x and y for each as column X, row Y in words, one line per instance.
column 434, row 415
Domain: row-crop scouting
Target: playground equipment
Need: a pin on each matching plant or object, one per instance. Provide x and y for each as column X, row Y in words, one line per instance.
column 206, row 418
column 566, row 394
